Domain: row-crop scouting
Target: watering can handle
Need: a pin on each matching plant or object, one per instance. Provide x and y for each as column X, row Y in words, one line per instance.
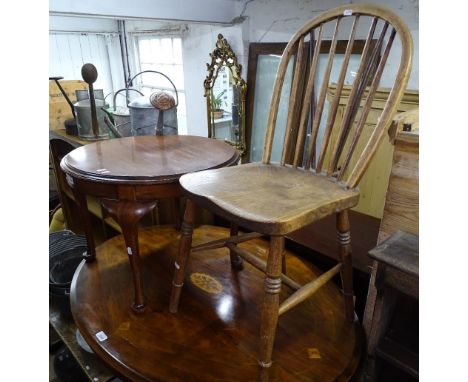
column 162, row 74
column 120, row 90
column 56, row 80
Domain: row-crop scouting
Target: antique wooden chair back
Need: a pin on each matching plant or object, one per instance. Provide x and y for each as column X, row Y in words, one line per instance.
column 308, row 92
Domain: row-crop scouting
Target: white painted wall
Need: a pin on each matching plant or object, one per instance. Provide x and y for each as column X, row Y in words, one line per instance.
column 183, row 10
column 277, row 20
column 80, row 24
column 199, row 41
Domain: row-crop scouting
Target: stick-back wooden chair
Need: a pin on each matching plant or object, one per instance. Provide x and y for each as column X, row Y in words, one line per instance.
column 309, row 182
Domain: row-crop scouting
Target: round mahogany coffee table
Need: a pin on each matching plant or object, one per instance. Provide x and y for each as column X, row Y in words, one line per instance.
column 130, row 174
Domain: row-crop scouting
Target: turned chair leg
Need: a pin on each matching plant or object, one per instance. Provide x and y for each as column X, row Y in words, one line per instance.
column 185, row 245
column 236, row 260
column 270, row 308
column 344, row 240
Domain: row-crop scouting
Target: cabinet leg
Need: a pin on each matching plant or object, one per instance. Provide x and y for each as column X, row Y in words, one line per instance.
column 127, row 214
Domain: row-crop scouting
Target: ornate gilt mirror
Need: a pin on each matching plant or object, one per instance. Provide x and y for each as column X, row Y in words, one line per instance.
column 225, row 92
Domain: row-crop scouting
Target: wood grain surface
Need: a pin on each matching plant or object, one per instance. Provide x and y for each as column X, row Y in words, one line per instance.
column 214, row 335
column 402, row 201
column 147, row 159
column 277, row 200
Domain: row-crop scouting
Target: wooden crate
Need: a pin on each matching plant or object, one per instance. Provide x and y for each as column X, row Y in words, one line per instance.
column 59, row 109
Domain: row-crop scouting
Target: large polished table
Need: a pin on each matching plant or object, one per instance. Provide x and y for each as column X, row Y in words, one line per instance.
column 130, row 174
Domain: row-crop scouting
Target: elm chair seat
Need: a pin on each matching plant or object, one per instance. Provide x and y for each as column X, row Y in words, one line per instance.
column 278, row 200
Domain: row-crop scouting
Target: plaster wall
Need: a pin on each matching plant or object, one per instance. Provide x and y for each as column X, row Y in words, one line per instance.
column 198, row 42
column 181, row 10
column 81, row 24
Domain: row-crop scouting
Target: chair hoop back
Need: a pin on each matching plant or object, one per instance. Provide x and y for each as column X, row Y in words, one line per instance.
column 307, row 123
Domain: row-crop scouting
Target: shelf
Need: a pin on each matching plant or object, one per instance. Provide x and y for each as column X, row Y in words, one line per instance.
column 399, row 356
column 66, row 329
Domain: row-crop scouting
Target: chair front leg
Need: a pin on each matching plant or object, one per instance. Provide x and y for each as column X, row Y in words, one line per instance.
column 269, row 315
column 185, row 245
column 344, row 240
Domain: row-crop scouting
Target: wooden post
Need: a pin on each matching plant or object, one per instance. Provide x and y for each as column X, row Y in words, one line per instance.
column 344, row 240
column 270, row 308
column 185, row 244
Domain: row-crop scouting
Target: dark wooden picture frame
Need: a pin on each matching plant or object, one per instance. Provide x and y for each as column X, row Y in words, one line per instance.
column 277, row 48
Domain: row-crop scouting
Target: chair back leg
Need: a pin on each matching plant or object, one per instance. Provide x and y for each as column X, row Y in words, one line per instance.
column 236, row 260
column 185, row 245
column 344, row 240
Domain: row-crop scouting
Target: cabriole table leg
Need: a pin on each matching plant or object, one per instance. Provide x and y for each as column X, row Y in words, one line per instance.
column 127, row 214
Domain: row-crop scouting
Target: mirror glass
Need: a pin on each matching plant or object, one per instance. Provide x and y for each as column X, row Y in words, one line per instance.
column 225, row 92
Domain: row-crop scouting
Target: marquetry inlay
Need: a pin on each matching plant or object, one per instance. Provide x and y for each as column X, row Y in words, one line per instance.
column 206, row 283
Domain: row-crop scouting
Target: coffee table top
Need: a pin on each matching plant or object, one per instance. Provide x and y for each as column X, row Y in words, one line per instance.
column 147, row 159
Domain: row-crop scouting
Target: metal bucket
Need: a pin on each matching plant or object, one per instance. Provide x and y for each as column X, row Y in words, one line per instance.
column 84, row 121
column 122, row 115
column 122, row 121
column 144, row 117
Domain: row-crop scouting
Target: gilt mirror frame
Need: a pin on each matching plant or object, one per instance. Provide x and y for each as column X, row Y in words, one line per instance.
column 223, row 56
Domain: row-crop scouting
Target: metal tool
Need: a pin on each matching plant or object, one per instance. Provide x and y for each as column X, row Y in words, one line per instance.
column 70, row 124
column 90, row 74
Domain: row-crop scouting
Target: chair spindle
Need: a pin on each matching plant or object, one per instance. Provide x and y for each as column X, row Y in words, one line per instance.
column 293, row 98
column 366, row 108
column 323, row 89
column 336, row 100
column 354, row 102
column 350, row 109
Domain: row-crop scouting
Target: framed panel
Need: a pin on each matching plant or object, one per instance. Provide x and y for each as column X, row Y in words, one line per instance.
column 261, row 74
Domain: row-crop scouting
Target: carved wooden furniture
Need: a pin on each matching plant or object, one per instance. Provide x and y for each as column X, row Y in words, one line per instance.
column 310, row 182
column 129, row 174
column 399, row 273
column 214, row 335
column 224, row 81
